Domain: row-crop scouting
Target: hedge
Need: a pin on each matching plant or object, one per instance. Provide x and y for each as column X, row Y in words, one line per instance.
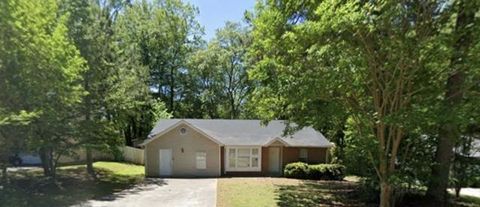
column 296, row 170
column 315, row 172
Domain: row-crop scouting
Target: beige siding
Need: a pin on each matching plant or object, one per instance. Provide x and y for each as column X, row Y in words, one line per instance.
column 276, row 144
column 184, row 163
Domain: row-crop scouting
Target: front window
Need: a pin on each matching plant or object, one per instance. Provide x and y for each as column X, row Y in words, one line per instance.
column 201, row 160
column 303, row 155
column 243, row 159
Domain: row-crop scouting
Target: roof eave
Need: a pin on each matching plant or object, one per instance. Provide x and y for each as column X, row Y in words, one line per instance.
column 159, row 134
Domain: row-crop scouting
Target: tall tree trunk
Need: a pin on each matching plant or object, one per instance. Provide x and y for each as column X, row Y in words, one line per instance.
column 385, row 194
column 88, row 119
column 48, row 163
column 89, row 160
column 45, row 161
column 383, row 177
column 127, row 133
column 53, row 165
column 457, row 191
column 133, row 134
column 232, row 107
column 448, row 130
column 172, row 91
column 4, row 174
column 340, row 144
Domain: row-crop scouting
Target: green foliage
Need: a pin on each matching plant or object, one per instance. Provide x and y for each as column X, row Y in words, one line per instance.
column 326, row 172
column 376, row 68
column 157, row 37
column 89, row 31
column 466, row 167
column 118, row 100
column 476, row 182
column 159, row 111
column 296, row 170
column 219, row 73
column 22, row 118
column 315, row 172
column 40, row 70
column 358, row 152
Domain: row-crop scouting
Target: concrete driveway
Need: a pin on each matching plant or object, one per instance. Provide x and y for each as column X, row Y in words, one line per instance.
column 475, row 192
column 163, row 192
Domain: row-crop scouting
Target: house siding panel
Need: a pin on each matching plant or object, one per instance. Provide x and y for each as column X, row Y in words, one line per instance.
column 184, row 163
column 315, row 155
column 290, row 154
column 265, row 161
column 222, row 160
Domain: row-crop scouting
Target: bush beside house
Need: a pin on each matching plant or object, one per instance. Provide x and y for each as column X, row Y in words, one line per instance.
column 302, row 170
column 296, row 170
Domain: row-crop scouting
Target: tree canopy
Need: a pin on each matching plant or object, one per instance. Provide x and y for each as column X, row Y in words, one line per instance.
column 394, row 84
column 379, row 67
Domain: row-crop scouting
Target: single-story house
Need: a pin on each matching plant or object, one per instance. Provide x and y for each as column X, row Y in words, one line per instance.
column 219, row 147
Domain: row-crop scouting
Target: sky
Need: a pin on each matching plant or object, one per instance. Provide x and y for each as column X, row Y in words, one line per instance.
column 214, row 13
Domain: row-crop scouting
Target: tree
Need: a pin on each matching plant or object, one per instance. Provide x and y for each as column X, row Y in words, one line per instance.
column 464, row 38
column 40, row 74
column 379, row 63
column 165, row 32
column 231, row 43
column 9, row 123
column 133, row 106
column 90, row 28
column 465, row 167
column 220, row 71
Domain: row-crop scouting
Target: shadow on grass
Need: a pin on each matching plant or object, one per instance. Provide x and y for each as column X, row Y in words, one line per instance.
column 343, row 193
column 420, row 200
column 319, row 193
column 73, row 186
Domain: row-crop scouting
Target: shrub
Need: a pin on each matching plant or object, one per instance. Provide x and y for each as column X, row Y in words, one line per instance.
column 326, row 172
column 476, row 182
column 316, row 172
column 296, row 170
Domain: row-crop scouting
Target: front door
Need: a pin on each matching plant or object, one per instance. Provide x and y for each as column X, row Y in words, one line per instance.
column 165, row 162
column 274, row 160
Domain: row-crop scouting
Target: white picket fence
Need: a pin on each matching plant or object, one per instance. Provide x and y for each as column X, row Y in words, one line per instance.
column 133, row 155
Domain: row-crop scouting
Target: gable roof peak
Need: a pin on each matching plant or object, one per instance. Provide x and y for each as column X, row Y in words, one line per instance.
column 246, row 132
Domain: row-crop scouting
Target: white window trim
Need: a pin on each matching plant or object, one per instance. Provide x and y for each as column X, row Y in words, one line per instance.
column 243, row 169
column 202, row 166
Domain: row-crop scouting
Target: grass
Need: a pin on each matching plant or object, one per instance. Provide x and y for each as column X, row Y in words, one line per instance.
column 73, row 186
column 465, row 200
column 281, row 192
column 121, row 168
column 249, row 191
column 420, row 200
column 470, row 200
column 285, row 192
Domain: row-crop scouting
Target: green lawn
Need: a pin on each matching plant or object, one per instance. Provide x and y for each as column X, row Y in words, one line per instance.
column 118, row 168
column 285, row 192
column 468, row 201
column 74, row 185
column 238, row 192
